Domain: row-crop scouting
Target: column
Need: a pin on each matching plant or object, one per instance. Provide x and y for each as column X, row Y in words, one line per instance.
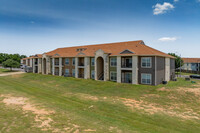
column 87, row 67
column 76, row 67
column 119, row 69
column 34, row 65
column 134, row 69
column 39, row 65
column 60, row 66
column 26, row 62
column 106, row 68
column 167, row 69
column 53, row 66
column 31, row 62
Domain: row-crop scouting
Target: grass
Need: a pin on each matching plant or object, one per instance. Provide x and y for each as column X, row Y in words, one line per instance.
column 183, row 73
column 80, row 105
column 4, row 70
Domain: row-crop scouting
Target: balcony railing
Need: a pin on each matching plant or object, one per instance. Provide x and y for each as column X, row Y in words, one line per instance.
column 81, row 64
column 69, row 75
column 127, row 80
column 81, row 75
column 56, row 73
column 129, row 65
column 56, row 63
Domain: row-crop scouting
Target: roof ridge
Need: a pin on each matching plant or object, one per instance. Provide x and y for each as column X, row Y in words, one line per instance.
column 101, row 44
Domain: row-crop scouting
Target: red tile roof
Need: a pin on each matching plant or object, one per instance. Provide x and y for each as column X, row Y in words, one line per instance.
column 114, row 49
column 33, row 56
column 191, row 60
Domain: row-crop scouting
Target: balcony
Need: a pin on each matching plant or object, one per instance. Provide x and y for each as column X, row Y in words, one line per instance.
column 80, row 75
column 81, row 61
column 126, row 77
column 126, row 62
column 81, row 64
column 129, row 65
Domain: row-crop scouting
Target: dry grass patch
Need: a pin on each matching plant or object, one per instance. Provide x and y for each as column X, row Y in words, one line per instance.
column 153, row 108
column 41, row 116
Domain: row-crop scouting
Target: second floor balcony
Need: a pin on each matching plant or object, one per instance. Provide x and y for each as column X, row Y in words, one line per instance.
column 81, row 61
column 126, row 62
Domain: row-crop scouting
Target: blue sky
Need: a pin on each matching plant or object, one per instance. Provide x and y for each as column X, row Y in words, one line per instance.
column 38, row 26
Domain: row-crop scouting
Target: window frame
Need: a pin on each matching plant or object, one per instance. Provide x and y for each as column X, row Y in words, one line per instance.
column 68, row 61
column 114, row 62
column 92, row 62
column 92, row 71
column 111, row 75
column 146, row 62
column 146, row 79
column 73, row 72
column 68, row 71
column 73, row 61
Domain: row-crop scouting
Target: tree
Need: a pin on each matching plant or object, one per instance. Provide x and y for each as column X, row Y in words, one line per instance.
column 15, row 57
column 178, row 61
column 11, row 63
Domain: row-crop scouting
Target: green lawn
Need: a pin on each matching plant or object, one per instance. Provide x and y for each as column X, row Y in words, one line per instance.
column 78, row 105
column 4, row 70
column 183, row 73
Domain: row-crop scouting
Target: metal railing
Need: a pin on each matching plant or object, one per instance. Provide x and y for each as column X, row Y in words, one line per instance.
column 80, row 75
column 126, row 80
column 81, row 64
column 127, row 65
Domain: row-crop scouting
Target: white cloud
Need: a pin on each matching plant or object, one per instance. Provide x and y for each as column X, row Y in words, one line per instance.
column 161, row 9
column 176, row 0
column 165, row 39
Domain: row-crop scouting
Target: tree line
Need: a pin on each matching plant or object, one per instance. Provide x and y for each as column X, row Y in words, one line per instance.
column 15, row 57
column 11, row 60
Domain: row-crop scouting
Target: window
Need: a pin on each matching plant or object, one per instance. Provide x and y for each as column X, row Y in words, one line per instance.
column 92, row 62
column 146, row 62
column 92, row 74
column 146, row 79
column 73, row 61
column 113, row 62
column 113, row 76
column 67, row 72
column 73, row 72
column 67, row 61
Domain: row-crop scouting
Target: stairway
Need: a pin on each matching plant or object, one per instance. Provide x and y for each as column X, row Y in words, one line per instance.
column 101, row 76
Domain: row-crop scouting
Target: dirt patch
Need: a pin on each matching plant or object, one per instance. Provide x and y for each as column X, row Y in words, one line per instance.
column 89, row 130
column 115, row 129
column 12, row 73
column 89, row 97
column 151, row 95
column 41, row 115
column 195, row 91
column 152, row 108
column 83, row 96
column 163, row 89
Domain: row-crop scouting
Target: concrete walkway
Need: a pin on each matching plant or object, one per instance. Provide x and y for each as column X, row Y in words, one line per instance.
column 10, row 73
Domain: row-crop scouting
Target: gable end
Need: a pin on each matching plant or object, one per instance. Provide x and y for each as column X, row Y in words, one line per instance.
column 127, row 52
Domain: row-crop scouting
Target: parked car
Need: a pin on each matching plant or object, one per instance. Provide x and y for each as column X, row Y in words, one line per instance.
column 195, row 76
column 28, row 69
column 22, row 66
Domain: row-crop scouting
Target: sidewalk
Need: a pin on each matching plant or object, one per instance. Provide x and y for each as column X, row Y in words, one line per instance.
column 10, row 73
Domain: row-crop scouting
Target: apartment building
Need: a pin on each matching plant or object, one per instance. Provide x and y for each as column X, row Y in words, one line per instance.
column 191, row 64
column 124, row 62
